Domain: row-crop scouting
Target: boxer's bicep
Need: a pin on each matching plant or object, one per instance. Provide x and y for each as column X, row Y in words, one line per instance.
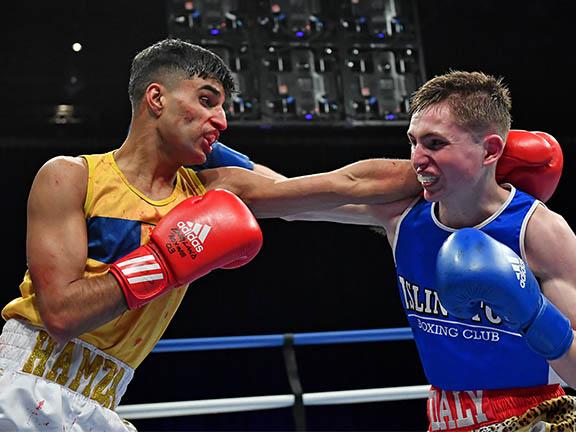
column 56, row 241
column 550, row 249
column 381, row 180
column 374, row 181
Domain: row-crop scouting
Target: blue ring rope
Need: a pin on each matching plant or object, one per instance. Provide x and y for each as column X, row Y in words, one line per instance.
column 263, row 341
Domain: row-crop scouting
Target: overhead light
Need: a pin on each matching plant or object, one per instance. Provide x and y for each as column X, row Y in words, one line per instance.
column 65, row 114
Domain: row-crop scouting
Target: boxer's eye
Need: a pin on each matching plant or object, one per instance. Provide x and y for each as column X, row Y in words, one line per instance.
column 206, row 101
column 434, row 144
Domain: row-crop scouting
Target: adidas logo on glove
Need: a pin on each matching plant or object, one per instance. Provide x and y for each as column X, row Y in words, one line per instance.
column 519, row 268
column 195, row 233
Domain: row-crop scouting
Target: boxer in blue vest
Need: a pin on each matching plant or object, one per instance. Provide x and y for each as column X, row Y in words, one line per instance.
column 486, row 271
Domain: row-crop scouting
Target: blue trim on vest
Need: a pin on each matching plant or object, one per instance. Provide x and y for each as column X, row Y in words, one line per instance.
column 112, row 238
column 456, row 354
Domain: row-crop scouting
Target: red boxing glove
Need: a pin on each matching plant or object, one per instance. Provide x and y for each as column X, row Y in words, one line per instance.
column 200, row 234
column 532, row 162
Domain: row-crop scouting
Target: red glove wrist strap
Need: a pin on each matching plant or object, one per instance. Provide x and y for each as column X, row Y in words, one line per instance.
column 141, row 276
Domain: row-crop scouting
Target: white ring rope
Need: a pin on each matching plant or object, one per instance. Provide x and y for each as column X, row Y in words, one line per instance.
column 218, row 406
column 225, row 405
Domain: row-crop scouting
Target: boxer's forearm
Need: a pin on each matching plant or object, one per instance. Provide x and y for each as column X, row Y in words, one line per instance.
column 80, row 307
column 565, row 366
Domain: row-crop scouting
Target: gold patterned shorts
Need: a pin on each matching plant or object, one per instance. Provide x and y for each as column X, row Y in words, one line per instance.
column 554, row 415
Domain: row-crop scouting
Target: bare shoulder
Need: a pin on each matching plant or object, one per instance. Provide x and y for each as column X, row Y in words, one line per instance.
column 64, row 165
column 61, row 178
column 549, row 241
column 547, row 223
column 214, row 178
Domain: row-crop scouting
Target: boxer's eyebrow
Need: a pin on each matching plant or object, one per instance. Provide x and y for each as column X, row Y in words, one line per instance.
column 210, row 88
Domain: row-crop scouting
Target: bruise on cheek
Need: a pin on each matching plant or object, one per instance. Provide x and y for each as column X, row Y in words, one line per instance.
column 189, row 117
column 185, row 113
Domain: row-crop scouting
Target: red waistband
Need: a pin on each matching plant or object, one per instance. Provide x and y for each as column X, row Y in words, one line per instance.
column 466, row 410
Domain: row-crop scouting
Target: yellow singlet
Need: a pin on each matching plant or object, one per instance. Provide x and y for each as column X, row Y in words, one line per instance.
column 119, row 219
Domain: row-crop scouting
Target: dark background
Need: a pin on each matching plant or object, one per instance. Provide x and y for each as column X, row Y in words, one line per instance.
column 309, row 276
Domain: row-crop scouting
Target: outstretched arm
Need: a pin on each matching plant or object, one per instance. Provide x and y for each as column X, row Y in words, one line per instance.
column 372, row 181
column 531, row 161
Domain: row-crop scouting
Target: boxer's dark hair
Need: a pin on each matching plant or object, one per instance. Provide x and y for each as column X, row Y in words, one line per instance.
column 173, row 59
